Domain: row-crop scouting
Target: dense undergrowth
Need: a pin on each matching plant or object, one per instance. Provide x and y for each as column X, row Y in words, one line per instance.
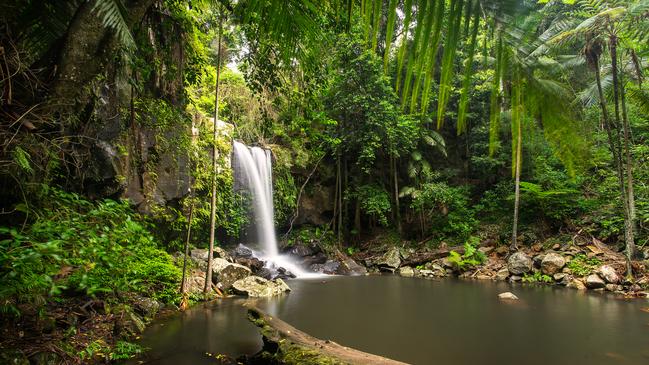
column 78, row 247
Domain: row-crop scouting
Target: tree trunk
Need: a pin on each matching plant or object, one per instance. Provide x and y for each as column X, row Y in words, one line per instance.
column 183, row 284
column 628, row 223
column 340, row 200
column 517, row 183
column 87, row 48
column 208, row 275
column 393, row 163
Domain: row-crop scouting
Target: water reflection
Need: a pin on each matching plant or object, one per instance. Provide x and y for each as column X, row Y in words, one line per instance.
column 422, row 322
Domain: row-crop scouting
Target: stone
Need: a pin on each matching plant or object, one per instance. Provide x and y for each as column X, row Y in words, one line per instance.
column 608, row 273
column 576, row 284
column 318, row 268
column 331, row 267
column 483, row 277
column 283, row 273
column 515, row 278
column 199, row 254
column 257, row 287
column 264, row 273
column 242, row 251
column 613, row 287
column 538, row 259
column 562, row 278
column 389, row 260
column 221, row 253
column 318, row 258
column 593, row 281
column 552, row 263
column 426, row 273
column 486, row 249
column 147, row 307
column 502, row 274
column 253, row 263
column 350, row 267
column 128, row 323
column 406, row 271
column 501, row 250
column 507, row 296
column 226, row 273
column 301, row 250
column 519, row 263
column 556, row 246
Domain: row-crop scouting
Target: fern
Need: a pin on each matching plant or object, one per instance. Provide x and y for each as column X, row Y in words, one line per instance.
column 21, row 158
column 113, row 15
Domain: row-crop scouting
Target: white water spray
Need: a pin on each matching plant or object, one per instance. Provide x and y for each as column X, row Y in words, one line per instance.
column 256, row 164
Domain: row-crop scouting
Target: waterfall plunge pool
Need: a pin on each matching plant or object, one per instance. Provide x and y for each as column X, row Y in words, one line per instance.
column 421, row 321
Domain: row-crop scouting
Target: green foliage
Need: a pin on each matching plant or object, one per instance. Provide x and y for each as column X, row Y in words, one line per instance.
column 375, row 202
column 95, row 249
column 125, row 350
column 581, row 265
column 472, row 256
column 537, row 277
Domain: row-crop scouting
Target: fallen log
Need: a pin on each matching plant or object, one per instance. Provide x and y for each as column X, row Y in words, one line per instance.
column 419, row 258
column 285, row 344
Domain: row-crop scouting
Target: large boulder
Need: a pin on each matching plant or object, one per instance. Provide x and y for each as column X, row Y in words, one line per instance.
column 552, row 263
column 256, row 287
column 519, row 263
column 593, row 281
column 390, row 260
column 226, row 273
column 241, row 251
column 608, row 273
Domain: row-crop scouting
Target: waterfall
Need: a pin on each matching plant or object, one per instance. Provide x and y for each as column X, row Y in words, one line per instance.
column 253, row 171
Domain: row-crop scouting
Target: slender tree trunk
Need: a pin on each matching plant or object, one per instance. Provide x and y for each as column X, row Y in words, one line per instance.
column 208, row 275
column 517, row 188
column 340, row 213
column 628, row 222
column 183, row 284
column 396, row 193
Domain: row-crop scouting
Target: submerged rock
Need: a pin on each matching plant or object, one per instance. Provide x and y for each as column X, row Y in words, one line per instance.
column 519, row 263
column 507, row 296
column 552, row 263
column 226, row 273
column 593, row 281
column 257, row 287
column 608, row 273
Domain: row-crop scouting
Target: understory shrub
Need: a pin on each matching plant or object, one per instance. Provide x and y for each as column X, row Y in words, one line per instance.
column 81, row 247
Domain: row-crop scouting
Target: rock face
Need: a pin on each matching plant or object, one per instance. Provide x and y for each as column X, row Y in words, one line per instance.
column 507, row 296
column 607, row 272
column 390, row 261
column 519, row 263
column 552, row 263
column 226, row 273
column 256, row 287
column 593, row 281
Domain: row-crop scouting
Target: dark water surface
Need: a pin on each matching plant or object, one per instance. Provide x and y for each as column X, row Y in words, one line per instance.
column 423, row 322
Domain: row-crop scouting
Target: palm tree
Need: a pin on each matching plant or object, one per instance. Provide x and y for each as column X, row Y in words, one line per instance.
column 618, row 27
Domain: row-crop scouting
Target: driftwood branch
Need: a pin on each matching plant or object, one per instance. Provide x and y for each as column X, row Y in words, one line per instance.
column 285, row 340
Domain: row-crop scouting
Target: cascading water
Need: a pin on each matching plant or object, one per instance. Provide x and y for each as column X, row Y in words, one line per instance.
column 253, row 171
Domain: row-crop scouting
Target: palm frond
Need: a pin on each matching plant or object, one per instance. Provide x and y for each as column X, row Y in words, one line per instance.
column 113, row 15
